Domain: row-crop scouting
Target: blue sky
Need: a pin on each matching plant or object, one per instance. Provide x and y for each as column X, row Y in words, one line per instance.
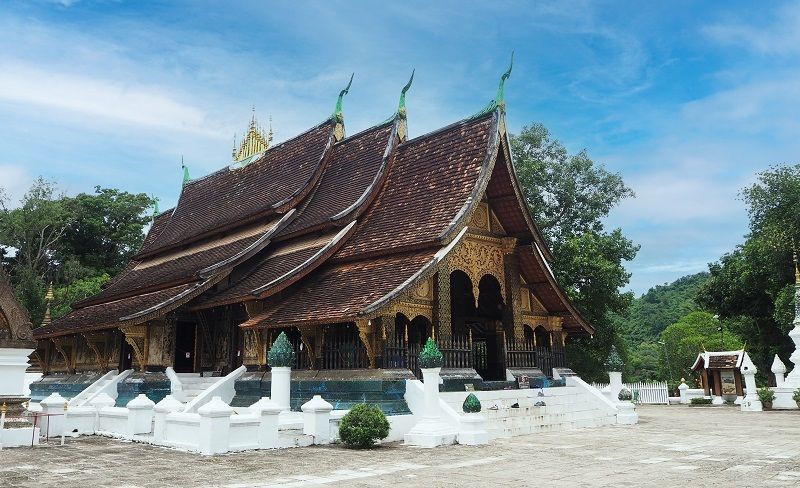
column 687, row 100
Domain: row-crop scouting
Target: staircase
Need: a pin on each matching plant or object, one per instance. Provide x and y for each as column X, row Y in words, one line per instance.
column 192, row 384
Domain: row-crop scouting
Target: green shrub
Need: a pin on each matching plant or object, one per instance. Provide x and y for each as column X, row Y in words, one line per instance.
column 363, row 425
column 625, row 395
column 796, row 395
column 700, row 401
column 765, row 394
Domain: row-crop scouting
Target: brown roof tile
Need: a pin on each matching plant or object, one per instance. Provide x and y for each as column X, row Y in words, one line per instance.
column 108, row 314
column 231, row 196
column 430, row 180
column 354, row 164
column 340, row 291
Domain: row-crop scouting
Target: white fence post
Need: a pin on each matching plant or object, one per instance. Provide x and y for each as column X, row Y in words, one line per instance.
column 215, row 426
column 140, row 415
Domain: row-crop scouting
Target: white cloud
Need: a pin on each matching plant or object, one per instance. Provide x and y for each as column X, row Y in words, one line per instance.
column 15, row 181
column 125, row 102
column 779, row 38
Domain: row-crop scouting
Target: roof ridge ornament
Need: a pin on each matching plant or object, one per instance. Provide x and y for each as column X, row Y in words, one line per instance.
column 255, row 141
column 185, row 172
column 337, row 117
column 402, row 128
column 401, row 107
column 155, row 205
column 500, row 98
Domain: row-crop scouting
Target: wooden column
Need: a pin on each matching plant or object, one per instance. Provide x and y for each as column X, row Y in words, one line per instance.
column 442, row 323
column 512, row 318
column 366, row 332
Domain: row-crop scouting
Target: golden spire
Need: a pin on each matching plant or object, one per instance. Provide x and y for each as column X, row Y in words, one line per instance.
column 254, row 142
column 48, row 298
column 796, row 269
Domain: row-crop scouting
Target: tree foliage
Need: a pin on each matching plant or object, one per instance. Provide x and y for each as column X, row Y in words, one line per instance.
column 682, row 341
column 752, row 286
column 72, row 242
column 569, row 195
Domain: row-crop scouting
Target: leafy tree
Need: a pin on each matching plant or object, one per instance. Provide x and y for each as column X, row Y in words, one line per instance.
column 682, row 341
column 753, row 285
column 569, row 196
column 54, row 238
column 75, row 291
column 106, row 229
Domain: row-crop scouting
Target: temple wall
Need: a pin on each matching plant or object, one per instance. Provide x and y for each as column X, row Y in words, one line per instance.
column 160, row 344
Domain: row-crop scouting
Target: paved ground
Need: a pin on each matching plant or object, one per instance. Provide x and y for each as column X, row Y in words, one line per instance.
column 671, row 446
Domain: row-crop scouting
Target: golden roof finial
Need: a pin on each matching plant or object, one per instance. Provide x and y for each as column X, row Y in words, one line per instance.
column 796, row 269
column 48, row 298
column 254, row 142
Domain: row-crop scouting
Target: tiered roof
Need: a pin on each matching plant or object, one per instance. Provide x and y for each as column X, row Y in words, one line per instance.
column 337, row 227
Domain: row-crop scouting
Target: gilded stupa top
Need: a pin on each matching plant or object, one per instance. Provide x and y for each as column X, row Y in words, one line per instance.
column 255, row 141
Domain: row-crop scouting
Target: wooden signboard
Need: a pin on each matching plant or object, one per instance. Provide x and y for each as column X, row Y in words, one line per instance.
column 728, row 382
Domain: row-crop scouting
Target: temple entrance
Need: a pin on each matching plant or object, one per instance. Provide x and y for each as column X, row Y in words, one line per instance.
column 185, row 335
column 125, row 356
column 483, row 323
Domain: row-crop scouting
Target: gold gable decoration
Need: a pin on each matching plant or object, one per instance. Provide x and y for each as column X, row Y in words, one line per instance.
column 255, row 141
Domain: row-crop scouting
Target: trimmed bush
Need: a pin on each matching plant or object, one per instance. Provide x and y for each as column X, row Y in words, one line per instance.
column 796, row 395
column 362, row 426
column 624, row 395
column 700, row 401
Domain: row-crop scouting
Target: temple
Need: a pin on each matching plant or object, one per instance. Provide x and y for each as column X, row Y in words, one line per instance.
column 359, row 247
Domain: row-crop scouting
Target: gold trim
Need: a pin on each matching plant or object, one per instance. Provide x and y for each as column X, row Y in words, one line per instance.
column 136, row 337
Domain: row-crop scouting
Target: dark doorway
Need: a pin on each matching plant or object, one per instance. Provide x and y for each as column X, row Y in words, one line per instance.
column 184, row 347
column 481, row 322
column 125, row 356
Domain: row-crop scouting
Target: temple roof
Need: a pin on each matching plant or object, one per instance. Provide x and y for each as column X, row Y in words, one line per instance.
column 718, row 360
column 233, row 196
column 335, row 227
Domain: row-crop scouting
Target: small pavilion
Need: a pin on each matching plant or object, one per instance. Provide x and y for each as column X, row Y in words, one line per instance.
column 720, row 374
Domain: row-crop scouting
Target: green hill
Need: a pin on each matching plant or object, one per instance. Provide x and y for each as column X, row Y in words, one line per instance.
column 648, row 316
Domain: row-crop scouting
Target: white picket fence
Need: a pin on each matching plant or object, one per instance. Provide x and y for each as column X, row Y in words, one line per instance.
column 650, row 393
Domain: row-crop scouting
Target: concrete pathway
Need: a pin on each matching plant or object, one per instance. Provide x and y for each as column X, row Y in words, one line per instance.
column 672, row 446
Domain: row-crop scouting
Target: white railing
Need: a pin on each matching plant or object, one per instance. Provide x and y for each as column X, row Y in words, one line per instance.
column 223, row 387
column 105, row 384
column 649, row 392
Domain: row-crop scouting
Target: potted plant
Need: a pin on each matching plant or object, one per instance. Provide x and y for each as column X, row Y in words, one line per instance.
column 766, row 395
column 796, row 397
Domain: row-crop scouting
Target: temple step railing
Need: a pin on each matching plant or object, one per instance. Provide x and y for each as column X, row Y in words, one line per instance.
column 526, row 354
column 520, row 354
column 457, row 351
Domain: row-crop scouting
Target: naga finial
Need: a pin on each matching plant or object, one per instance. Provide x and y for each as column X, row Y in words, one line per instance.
column 499, row 100
column 185, row 171
column 155, row 205
column 401, row 107
column 337, row 112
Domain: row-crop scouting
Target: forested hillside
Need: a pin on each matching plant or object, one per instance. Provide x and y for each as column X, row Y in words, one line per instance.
column 661, row 306
column 647, row 317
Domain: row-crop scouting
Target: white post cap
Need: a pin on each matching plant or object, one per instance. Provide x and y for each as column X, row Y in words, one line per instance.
column 316, row 404
column 265, row 406
column 215, row 408
column 778, row 366
column 169, row 404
